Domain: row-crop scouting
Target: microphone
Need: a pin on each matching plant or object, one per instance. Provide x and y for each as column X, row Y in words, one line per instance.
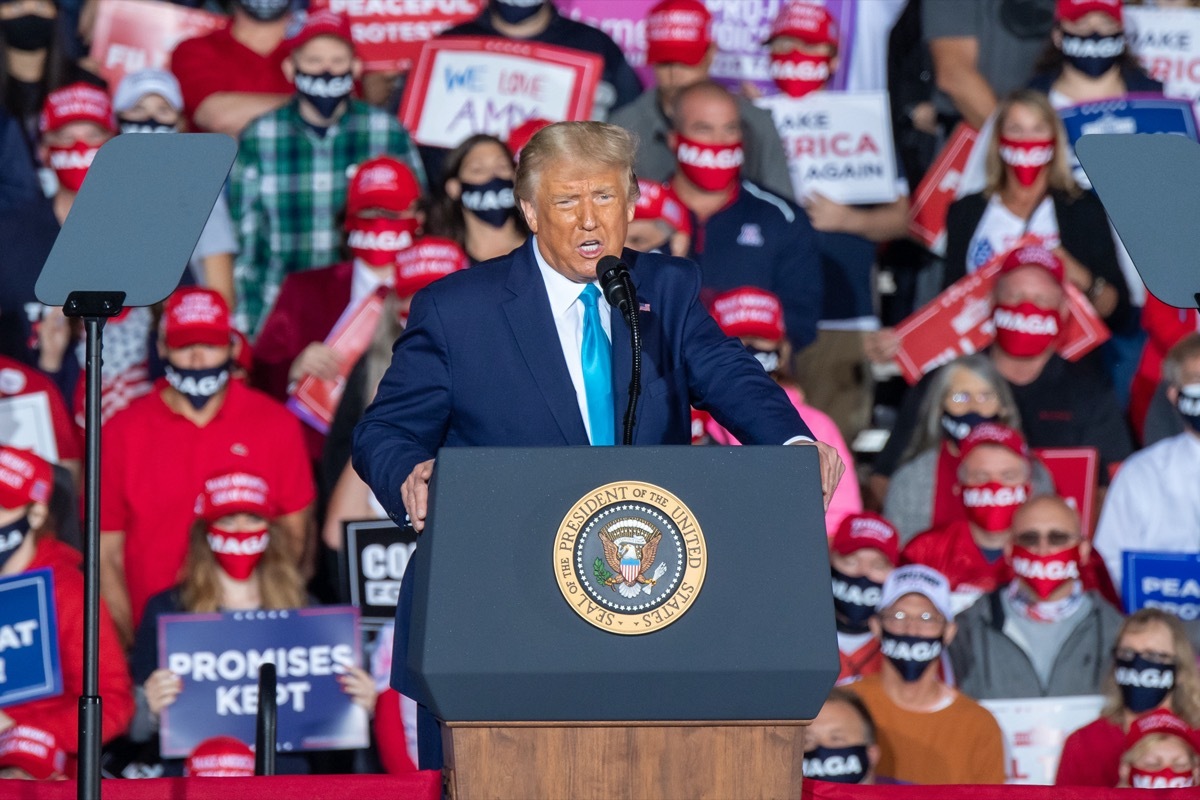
column 615, row 283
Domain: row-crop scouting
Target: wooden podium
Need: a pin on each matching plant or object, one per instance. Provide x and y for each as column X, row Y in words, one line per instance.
column 548, row 657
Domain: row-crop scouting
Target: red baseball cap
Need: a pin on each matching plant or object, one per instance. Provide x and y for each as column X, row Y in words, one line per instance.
column 805, row 21
column 1161, row 721
column 322, row 23
column 677, row 32
column 195, row 315
column 658, row 201
column 220, row 757
column 867, row 529
column 25, row 478
column 430, row 258
column 77, row 102
column 519, row 136
column 749, row 311
column 995, row 434
column 234, row 493
column 1072, row 10
column 1034, row 256
column 33, row 750
column 382, row 182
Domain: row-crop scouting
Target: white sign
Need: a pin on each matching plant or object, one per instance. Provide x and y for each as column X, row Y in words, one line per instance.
column 25, row 422
column 838, row 144
column 1034, row 731
column 1167, row 43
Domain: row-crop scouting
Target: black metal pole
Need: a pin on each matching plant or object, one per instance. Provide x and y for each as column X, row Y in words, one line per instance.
column 635, row 378
column 264, row 733
column 89, row 703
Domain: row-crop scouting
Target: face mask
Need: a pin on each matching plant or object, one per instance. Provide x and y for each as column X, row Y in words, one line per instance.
column 1024, row 330
column 265, row 10
column 12, row 536
column 768, row 358
column 324, row 91
column 991, row 505
column 854, row 601
column 798, row 73
column 1093, row 55
column 70, row 163
column 711, row 167
column 1027, row 158
column 516, row 11
column 143, row 126
column 238, row 553
column 492, row 202
column 1189, row 405
column 198, row 385
column 1044, row 574
column 28, row 33
column 836, row 764
column 1144, row 684
column 911, row 655
column 957, row 426
column 1165, row 778
column 376, row 240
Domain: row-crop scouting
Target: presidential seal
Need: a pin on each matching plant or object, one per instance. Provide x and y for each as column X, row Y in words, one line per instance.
column 630, row 558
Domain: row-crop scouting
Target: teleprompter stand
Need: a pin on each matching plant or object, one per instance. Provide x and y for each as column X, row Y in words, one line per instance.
column 538, row 702
column 128, row 238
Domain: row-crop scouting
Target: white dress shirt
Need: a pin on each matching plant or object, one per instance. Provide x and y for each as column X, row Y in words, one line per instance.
column 568, row 319
column 364, row 280
column 1152, row 504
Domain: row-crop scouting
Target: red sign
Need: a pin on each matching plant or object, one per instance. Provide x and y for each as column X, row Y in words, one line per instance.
column 1074, row 470
column 136, row 34
column 388, row 34
column 938, row 189
column 959, row 321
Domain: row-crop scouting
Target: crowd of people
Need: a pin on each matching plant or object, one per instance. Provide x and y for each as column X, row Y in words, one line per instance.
column 963, row 570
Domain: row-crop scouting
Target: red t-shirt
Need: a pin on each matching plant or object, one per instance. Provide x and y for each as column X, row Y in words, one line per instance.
column 1091, row 756
column 16, row 379
column 217, row 62
column 156, row 461
column 952, row 551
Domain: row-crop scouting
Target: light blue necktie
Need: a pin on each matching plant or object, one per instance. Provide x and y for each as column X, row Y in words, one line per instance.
column 596, row 353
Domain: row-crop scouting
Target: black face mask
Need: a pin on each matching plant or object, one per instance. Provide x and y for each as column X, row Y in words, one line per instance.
column 1144, row 684
column 836, row 764
column 265, row 10
column 12, row 536
column 515, row 12
column 492, row 202
column 1188, row 405
column 28, row 33
column 911, row 655
column 957, row 426
column 143, row 126
column 198, row 385
column 770, row 359
column 854, row 601
column 1093, row 55
column 325, row 91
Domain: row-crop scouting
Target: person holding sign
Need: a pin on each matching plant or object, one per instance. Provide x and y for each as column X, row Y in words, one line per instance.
column 27, row 542
column 1162, row 753
column 1154, row 668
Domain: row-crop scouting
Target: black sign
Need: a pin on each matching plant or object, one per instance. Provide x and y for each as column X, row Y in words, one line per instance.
column 376, row 554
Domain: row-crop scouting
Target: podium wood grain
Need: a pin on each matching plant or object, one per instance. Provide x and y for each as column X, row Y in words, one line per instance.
column 603, row 761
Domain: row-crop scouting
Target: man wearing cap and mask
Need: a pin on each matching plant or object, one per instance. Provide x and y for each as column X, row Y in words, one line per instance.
column 862, row 553
column 681, row 50
column 1150, row 505
column 289, row 181
column 928, row 732
column 660, row 222
column 1044, row 634
column 159, row 450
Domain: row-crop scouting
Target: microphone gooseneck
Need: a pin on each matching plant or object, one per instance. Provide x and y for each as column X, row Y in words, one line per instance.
column 617, row 285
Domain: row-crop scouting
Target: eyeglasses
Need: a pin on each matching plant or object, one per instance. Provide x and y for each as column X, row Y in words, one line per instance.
column 926, row 619
column 1153, row 656
column 981, row 398
column 1056, row 539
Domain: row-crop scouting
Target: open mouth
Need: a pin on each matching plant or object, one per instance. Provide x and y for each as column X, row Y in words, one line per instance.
column 590, row 249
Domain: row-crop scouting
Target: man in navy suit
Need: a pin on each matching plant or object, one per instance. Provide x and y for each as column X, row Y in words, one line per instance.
column 492, row 356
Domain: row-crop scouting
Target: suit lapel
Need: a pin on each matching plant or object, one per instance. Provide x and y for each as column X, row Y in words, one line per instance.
column 528, row 312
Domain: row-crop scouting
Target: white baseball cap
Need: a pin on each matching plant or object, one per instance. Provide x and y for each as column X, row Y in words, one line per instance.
column 136, row 85
column 917, row 579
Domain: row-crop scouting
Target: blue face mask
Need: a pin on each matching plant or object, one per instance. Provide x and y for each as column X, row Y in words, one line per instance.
column 515, row 12
column 1093, row 55
column 957, row 426
column 198, row 385
column 324, row 91
column 910, row 655
column 836, row 764
column 854, row 601
column 1144, row 684
column 12, row 536
column 492, row 202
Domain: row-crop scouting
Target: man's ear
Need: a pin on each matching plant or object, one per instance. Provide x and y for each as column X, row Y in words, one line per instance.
column 1085, row 552
column 672, row 140
column 875, row 626
column 951, row 632
column 527, row 208
column 1173, row 394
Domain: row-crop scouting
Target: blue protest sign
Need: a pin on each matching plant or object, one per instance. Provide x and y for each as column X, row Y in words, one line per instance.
column 1134, row 113
column 29, row 665
column 1167, row 581
column 218, row 657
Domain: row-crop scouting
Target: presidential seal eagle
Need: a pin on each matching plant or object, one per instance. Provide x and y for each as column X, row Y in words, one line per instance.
column 630, row 546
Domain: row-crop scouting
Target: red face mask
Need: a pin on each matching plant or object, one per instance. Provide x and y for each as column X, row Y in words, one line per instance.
column 1024, row 330
column 798, row 73
column 238, row 553
column 1165, row 778
column 1046, row 573
column 376, row 240
column 711, row 167
column 1027, row 158
column 70, row 163
column 991, row 505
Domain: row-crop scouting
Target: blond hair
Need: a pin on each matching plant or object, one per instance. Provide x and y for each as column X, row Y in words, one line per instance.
column 591, row 143
column 1061, row 178
column 1185, row 695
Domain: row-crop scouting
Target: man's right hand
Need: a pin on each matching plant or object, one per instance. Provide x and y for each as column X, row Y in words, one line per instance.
column 317, row 359
column 415, row 494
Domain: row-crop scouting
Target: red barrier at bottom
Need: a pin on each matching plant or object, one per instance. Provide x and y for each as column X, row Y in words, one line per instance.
column 425, row 785
column 823, row 790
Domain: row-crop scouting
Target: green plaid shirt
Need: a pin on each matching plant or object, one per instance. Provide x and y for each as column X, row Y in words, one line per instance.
column 287, row 188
